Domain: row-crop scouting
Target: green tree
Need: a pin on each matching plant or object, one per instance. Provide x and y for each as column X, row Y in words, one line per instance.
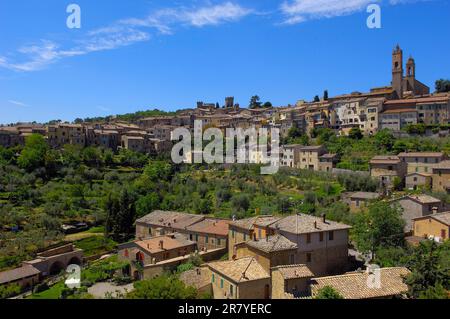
column 381, row 225
column 240, row 202
column 146, row 204
column 325, row 95
column 328, row 292
column 33, row 154
column 162, row 287
column 316, row 98
column 267, row 105
column 442, row 86
column 355, row 133
column 255, row 102
column 120, row 215
column 429, row 267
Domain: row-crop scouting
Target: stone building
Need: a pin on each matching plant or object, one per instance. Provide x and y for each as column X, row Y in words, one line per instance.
column 360, row 200
column 242, row 278
column 269, row 252
column 290, row 281
column 208, row 233
column 290, row 155
column 436, row 226
column 441, row 177
column 414, row 181
column 310, row 157
column 62, row 134
column 406, row 84
column 421, row 162
column 386, row 169
column 321, row 244
column 416, row 206
column 147, row 252
column 25, row 277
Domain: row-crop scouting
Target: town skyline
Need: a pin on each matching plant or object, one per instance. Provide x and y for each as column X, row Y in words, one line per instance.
column 135, row 77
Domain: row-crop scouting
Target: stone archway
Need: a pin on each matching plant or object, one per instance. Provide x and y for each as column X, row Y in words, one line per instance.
column 74, row 261
column 56, row 268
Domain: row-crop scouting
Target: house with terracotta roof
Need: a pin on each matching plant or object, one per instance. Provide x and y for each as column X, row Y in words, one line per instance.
column 242, row 278
column 290, row 281
column 143, row 254
column 414, row 206
column 441, row 177
column 298, row 239
column 26, row 276
column 415, row 181
column 245, row 229
column 421, row 162
column 210, row 233
column 386, row 168
column 360, row 284
column 435, row 226
column 360, row 200
column 322, row 244
column 269, row 252
column 162, row 222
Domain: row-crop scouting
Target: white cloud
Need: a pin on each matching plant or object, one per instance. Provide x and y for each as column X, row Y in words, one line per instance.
column 17, row 103
column 165, row 19
column 296, row 11
column 122, row 33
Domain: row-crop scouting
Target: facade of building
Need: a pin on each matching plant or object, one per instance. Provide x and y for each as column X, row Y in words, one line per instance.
column 414, row 206
column 360, row 200
column 290, row 281
column 310, row 157
column 436, row 226
column 242, row 278
column 386, row 169
column 441, row 177
column 421, row 162
column 414, row 181
column 142, row 253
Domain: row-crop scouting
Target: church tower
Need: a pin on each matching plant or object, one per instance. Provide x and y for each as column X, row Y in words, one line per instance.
column 397, row 71
column 411, row 68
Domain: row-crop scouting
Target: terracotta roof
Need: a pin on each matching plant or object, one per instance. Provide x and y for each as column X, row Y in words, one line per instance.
column 405, row 110
column 385, row 159
column 443, row 165
column 272, row 243
column 441, row 217
column 211, row 226
column 172, row 241
column 248, row 223
column 294, row 271
column 429, row 99
column 311, row 148
column 328, row 155
column 17, row 274
column 354, row 285
column 421, row 154
column 302, row 224
column 365, row 195
column 240, row 270
column 175, row 220
column 424, row 199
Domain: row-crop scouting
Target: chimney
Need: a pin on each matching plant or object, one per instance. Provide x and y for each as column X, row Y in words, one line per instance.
column 174, row 220
column 315, row 224
column 254, row 237
column 161, row 244
column 435, row 210
column 324, row 218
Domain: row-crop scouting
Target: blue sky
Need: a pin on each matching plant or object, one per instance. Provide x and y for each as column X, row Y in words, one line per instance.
column 142, row 54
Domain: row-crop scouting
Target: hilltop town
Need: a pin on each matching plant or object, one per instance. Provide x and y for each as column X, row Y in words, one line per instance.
column 364, row 179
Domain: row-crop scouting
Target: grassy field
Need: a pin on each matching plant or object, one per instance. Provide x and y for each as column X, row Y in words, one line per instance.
column 53, row 293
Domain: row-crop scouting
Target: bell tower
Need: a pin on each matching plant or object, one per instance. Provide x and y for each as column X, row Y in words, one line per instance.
column 397, row 71
column 411, row 68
